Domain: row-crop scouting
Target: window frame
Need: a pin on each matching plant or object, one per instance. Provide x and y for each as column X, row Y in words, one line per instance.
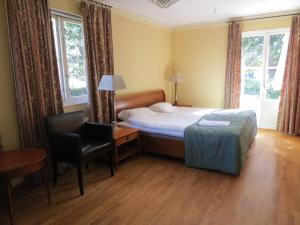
column 59, row 18
column 265, row 66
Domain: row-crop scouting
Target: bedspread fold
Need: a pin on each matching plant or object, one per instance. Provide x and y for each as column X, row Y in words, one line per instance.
column 220, row 148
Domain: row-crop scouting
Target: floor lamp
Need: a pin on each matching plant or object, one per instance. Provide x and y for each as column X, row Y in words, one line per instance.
column 176, row 78
column 112, row 83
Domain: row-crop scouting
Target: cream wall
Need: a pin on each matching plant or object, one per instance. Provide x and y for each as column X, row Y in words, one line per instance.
column 8, row 115
column 200, row 56
column 199, row 53
column 142, row 54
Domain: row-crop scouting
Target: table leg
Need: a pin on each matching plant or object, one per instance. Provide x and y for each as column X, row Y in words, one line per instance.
column 46, row 182
column 9, row 200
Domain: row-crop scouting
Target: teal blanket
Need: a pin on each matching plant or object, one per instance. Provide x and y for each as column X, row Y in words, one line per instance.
column 220, row 148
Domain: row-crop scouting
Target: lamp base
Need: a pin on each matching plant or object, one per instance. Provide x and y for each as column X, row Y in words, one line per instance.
column 116, row 128
column 115, row 125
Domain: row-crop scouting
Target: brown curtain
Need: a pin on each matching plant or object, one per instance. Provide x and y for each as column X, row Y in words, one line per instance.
column 1, row 146
column 35, row 68
column 289, row 108
column 233, row 66
column 99, row 51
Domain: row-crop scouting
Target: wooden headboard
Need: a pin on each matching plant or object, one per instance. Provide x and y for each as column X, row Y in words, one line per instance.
column 140, row 99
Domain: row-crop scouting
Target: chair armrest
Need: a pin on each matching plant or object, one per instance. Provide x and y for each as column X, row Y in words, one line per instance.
column 96, row 131
column 65, row 145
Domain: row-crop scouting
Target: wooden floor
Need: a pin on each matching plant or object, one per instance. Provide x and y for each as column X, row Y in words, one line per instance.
column 162, row 191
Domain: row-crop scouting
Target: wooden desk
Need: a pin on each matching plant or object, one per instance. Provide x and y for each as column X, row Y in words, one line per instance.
column 123, row 136
column 20, row 163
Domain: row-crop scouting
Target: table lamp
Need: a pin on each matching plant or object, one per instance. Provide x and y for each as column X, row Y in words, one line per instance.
column 176, row 78
column 112, row 83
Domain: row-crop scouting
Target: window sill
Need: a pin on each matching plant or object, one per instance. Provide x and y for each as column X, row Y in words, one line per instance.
column 71, row 104
column 76, row 101
column 76, row 107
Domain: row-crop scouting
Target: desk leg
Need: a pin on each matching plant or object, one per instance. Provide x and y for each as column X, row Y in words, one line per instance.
column 111, row 162
column 9, row 200
column 46, row 182
column 140, row 144
column 116, row 155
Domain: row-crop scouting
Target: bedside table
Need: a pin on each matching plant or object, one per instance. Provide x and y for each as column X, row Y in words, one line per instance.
column 127, row 142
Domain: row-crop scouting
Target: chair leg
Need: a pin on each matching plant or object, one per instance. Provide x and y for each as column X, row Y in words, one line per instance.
column 80, row 178
column 46, row 182
column 111, row 163
column 55, row 171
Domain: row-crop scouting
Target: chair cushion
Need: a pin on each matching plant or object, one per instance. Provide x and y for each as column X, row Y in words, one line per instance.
column 66, row 122
column 90, row 147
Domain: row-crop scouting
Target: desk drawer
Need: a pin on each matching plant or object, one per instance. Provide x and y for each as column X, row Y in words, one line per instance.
column 127, row 138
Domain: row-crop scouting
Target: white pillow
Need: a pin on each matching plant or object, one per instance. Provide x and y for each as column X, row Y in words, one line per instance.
column 162, row 107
column 125, row 114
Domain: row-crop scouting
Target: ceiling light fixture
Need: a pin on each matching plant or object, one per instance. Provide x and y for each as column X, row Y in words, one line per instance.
column 163, row 3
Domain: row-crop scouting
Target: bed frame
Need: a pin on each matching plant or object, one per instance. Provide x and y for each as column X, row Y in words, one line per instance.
column 155, row 143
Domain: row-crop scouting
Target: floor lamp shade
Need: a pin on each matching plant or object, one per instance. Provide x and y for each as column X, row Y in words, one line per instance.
column 112, row 83
column 176, row 78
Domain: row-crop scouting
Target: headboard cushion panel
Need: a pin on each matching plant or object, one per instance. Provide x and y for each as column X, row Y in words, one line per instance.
column 140, row 99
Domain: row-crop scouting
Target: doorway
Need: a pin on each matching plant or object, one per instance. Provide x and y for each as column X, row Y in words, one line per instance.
column 263, row 63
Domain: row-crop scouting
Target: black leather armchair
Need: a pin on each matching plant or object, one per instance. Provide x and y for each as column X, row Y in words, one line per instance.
column 76, row 141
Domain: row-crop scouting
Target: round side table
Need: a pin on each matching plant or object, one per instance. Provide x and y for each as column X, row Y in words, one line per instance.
column 20, row 163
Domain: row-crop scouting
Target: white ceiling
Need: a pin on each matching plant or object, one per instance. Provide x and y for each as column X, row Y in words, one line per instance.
column 186, row 12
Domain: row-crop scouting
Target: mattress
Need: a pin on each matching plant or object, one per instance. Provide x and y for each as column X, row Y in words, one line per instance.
column 178, row 134
column 170, row 124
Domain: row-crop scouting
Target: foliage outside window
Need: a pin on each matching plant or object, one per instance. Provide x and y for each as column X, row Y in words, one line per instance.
column 252, row 51
column 252, row 87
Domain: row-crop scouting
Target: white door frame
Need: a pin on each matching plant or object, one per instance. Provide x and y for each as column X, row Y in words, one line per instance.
column 265, row 67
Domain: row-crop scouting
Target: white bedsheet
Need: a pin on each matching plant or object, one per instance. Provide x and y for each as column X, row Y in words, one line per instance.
column 172, row 124
column 178, row 134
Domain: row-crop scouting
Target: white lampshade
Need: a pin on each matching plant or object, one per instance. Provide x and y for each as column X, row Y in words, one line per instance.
column 176, row 78
column 112, row 83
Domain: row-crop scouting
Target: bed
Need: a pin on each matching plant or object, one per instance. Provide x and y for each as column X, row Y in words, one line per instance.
column 178, row 134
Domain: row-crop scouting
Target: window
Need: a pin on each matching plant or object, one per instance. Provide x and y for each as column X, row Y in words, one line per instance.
column 263, row 61
column 69, row 44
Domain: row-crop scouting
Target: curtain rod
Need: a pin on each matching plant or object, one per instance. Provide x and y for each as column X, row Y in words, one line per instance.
column 99, row 3
column 264, row 17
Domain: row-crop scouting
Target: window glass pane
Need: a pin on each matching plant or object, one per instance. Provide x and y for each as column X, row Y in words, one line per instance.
column 275, row 47
column 273, row 90
column 74, row 43
column 252, row 51
column 252, row 81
